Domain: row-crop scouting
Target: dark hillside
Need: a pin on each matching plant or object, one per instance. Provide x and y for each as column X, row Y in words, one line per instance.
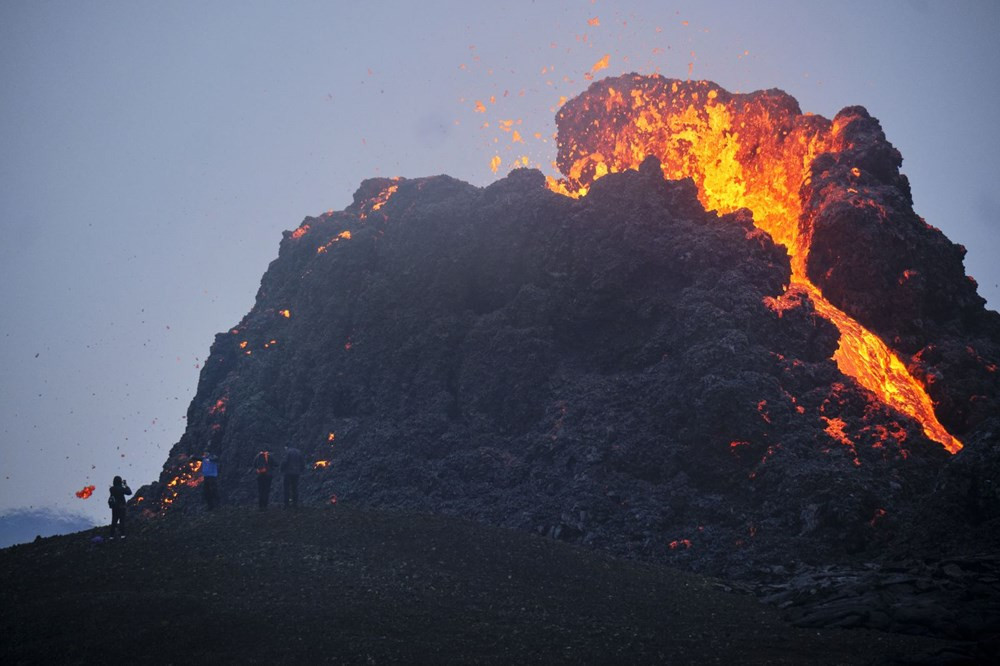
column 605, row 371
column 343, row 585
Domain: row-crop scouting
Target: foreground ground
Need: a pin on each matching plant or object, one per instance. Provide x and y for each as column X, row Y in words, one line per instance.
column 345, row 585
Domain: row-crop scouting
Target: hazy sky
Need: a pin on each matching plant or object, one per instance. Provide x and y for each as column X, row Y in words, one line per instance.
column 151, row 153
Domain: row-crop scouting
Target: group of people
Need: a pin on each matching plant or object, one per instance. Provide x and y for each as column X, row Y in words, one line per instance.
column 265, row 464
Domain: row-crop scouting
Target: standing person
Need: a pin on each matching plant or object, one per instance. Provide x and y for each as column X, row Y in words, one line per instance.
column 264, row 466
column 292, row 467
column 210, row 476
column 116, row 500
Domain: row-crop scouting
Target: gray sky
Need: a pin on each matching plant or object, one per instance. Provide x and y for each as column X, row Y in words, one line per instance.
column 151, row 153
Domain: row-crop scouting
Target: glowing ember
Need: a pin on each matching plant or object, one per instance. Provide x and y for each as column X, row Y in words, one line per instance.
column 742, row 151
column 384, row 197
column 330, row 437
column 736, row 445
column 835, row 429
column 379, row 200
column 333, row 499
column 285, row 313
column 320, row 464
column 680, row 543
column 185, row 477
column 343, row 235
column 86, row 492
column 761, row 409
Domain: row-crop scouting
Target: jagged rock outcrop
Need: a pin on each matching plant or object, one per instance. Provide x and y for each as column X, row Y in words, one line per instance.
column 875, row 258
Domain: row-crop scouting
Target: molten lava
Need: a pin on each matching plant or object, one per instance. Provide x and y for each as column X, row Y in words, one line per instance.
column 186, row 476
column 750, row 151
column 86, row 492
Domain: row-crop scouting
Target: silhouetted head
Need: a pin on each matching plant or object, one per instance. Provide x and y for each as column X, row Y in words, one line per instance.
column 118, row 481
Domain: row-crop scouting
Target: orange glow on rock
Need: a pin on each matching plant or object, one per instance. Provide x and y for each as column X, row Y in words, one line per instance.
column 379, row 200
column 742, row 151
column 835, row 429
column 185, row 477
column 343, row 235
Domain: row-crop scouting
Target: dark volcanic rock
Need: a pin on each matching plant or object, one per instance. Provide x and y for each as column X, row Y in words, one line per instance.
column 600, row 370
column 877, row 260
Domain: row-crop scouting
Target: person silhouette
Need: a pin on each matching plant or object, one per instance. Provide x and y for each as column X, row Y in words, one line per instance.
column 263, row 464
column 292, row 467
column 116, row 500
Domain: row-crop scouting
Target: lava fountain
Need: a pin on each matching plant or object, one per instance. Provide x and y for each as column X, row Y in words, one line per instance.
column 753, row 151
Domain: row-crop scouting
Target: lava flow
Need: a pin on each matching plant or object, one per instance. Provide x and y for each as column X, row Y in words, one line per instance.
column 751, row 151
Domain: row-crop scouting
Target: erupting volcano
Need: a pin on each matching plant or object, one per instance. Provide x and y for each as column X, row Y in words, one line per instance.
column 754, row 151
column 722, row 339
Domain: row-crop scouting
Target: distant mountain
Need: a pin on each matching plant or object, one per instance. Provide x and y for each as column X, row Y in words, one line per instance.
column 23, row 525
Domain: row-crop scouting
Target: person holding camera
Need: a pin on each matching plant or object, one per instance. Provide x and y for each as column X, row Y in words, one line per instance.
column 116, row 500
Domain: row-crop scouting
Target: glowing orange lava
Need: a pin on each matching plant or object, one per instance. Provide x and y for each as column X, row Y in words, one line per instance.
column 185, row 477
column 86, row 492
column 742, row 151
column 378, row 200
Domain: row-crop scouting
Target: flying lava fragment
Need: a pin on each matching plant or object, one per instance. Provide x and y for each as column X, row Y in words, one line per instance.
column 86, row 492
